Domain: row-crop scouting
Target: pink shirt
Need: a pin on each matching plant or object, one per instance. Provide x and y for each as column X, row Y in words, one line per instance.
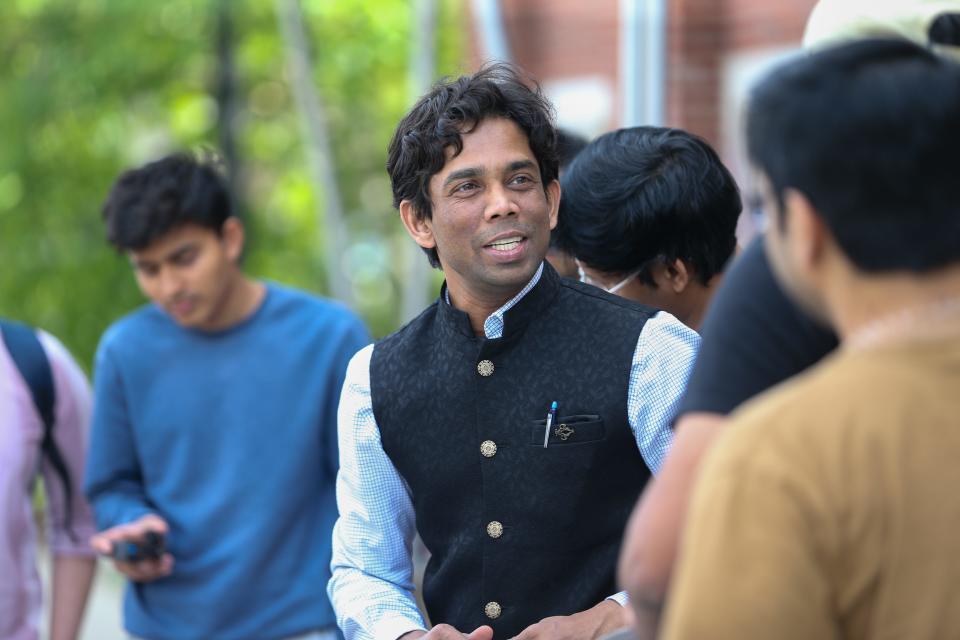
column 21, row 431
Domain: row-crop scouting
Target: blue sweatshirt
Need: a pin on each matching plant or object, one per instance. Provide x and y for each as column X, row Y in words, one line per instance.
column 231, row 438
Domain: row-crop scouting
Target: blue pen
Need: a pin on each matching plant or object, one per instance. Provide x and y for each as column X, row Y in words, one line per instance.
column 551, row 416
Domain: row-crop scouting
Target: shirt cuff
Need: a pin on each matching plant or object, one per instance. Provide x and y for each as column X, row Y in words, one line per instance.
column 393, row 627
column 620, row 598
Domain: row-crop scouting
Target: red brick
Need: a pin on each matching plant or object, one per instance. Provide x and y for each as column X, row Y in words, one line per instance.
column 556, row 39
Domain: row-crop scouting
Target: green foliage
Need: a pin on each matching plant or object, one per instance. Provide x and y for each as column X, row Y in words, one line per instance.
column 91, row 87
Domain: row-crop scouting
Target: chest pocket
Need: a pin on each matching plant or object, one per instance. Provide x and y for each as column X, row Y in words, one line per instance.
column 568, row 430
column 559, row 493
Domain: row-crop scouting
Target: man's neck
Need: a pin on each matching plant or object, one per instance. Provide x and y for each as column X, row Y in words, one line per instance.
column 898, row 305
column 242, row 300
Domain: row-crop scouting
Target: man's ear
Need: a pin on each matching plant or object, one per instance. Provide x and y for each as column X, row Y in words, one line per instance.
column 553, row 201
column 672, row 276
column 232, row 235
column 420, row 229
column 808, row 235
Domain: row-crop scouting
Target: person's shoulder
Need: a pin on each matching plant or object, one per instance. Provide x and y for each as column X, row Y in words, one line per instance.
column 126, row 341
column 56, row 351
column 421, row 323
column 290, row 301
column 599, row 300
column 829, row 382
column 359, row 365
column 134, row 326
column 795, row 419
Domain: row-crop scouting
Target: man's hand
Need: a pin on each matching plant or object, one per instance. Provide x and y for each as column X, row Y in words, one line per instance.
column 587, row 625
column 136, row 531
column 446, row 632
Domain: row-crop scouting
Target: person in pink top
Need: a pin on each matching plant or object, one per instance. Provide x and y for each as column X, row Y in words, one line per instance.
column 21, row 461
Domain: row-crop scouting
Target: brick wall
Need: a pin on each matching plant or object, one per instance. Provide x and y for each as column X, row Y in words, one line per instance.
column 559, row 38
column 554, row 39
column 695, row 49
column 702, row 33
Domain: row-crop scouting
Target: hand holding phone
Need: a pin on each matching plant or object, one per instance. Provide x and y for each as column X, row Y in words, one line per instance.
column 138, row 548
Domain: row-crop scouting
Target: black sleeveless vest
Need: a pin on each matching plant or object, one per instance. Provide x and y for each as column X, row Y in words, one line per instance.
column 517, row 532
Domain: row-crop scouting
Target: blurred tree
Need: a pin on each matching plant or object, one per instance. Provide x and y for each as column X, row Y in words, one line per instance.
column 316, row 140
column 91, row 87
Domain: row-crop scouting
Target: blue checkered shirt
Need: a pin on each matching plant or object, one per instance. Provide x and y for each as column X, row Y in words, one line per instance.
column 372, row 587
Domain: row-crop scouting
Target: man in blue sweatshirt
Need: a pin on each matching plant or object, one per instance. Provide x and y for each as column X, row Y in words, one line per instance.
column 215, row 422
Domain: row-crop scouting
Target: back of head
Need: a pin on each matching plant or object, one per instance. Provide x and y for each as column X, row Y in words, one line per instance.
column 643, row 194
column 868, row 132
column 146, row 203
column 453, row 107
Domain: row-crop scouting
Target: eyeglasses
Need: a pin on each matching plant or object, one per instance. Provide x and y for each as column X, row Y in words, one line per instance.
column 584, row 278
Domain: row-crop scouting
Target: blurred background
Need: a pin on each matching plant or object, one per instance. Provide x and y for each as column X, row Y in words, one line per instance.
column 300, row 100
column 91, row 87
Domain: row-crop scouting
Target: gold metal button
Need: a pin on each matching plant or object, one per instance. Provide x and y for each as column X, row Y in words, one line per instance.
column 492, row 610
column 485, row 368
column 488, row 448
column 494, row 529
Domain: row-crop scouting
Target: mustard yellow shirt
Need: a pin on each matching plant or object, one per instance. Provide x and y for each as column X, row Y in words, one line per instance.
column 831, row 507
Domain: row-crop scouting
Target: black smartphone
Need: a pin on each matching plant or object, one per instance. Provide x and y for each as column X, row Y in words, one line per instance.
column 152, row 547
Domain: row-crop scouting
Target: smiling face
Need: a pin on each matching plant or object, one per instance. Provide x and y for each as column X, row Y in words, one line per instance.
column 492, row 215
column 192, row 273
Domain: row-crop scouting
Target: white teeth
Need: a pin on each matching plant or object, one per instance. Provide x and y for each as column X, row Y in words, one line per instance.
column 506, row 245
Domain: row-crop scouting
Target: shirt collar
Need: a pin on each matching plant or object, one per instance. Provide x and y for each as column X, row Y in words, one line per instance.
column 493, row 325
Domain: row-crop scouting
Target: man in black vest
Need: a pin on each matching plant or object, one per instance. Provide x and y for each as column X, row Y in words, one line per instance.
column 514, row 422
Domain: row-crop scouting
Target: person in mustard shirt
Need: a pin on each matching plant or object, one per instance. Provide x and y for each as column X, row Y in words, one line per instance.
column 828, row 507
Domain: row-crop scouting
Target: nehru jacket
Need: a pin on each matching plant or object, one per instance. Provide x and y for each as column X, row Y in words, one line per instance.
column 517, row 531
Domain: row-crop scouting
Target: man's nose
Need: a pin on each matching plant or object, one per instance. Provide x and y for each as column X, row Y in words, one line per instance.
column 501, row 202
column 171, row 283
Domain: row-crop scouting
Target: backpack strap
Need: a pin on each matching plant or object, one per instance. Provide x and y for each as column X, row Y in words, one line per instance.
column 27, row 353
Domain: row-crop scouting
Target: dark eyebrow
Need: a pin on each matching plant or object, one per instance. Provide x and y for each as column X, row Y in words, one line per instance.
column 173, row 255
column 516, row 165
column 181, row 250
column 469, row 172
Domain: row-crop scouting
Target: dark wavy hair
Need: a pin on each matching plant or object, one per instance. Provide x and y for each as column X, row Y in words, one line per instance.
column 642, row 195
column 147, row 202
column 868, row 132
column 454, row 107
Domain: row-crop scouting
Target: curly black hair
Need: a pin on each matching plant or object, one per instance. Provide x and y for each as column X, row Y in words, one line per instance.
column 454, row 107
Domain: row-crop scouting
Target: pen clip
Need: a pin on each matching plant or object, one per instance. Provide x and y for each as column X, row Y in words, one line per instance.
column 551, row 416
